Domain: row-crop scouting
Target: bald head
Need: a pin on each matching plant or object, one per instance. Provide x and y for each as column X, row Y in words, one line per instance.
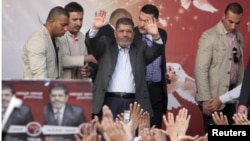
column 117, row 14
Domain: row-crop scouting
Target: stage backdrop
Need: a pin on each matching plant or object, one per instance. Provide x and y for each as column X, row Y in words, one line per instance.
column 184, row 21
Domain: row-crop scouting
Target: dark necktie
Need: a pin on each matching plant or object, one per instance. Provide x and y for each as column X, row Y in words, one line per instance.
column 57, row 117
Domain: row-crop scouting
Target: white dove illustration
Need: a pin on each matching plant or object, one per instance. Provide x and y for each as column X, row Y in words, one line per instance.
column 203, row 5
column 181, row 83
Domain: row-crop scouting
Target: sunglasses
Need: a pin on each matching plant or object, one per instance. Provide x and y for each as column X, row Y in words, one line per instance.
column 235, row 52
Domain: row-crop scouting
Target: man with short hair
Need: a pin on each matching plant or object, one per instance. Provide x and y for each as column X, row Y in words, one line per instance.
column 40, row 54
column 155, row 71
column 120, row 78
column 219, row 64
column 59, row 112
column 74, row 53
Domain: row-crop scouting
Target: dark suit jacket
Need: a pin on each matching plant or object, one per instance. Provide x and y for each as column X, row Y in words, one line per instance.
column 245, row 89
column 72, row 116
column 106, row 53
column 106, row 30
column 163, row 34
column 19, row 116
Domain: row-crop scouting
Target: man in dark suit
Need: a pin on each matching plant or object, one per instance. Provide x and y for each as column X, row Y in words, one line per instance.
column 244, row 100
column 120, row 78
column 58, row 112
column 101, row 28
column 20, row 115
column 155, row 71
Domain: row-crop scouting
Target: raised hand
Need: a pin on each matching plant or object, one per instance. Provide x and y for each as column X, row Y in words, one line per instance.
column 144, row 121
column 152, row 28
column 240, row 119
column 182, row 121
column 219, row 119
column 171, row 128
column 99, row 20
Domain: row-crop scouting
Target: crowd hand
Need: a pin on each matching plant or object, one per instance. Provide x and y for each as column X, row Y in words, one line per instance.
column 90, row 58
column 240, row 119
column 182, row 121
column 214, row 104
column 99, row 20
column 113, row 131
column 132, row 125
column 85, row 71
column 135, row 116
column 98, row 124
column 144, row 121
column 106, row 114
column 147, row 135
column 219, row 119
column 158, row 135
column 89, row 133
column 171, row 128
column 152, row 28
column 242, row 109
column 193, row 138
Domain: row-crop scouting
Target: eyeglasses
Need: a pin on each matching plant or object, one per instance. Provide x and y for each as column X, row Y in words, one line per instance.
column 235, row 52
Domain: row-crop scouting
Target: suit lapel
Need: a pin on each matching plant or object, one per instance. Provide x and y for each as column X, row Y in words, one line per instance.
column 51, row 117
column 114, row 55
column 132, row 56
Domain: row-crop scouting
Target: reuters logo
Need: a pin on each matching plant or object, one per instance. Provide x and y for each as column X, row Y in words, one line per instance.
column 34, row 129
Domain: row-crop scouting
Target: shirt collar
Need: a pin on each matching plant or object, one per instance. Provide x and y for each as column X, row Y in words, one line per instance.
column 75, row 38
column 61, row 110
column 120, row 48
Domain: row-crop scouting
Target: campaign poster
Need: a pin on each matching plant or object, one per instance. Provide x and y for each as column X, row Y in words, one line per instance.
column 36, row 109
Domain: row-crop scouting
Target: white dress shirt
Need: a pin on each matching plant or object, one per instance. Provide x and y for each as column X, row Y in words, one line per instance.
column 122, row 78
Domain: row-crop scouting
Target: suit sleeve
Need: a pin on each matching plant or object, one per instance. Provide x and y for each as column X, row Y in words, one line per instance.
column 202, row 65
column 245, row 90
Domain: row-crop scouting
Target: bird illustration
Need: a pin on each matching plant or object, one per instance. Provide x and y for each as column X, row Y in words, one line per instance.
column 180, row 83
column 203, row 5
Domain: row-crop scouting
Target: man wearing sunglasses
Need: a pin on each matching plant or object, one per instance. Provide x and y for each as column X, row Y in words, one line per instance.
column 219, row 64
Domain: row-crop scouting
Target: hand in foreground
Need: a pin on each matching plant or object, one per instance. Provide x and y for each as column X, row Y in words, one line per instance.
column 240, row 119
column 193, row 138
column 242, row 109
column 219, row 119
column 171, row 128
column 182, row 121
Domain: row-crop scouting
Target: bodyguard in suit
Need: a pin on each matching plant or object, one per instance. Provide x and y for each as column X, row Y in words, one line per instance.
column 121, row 79
column 40, row 54
column 244, row 100
column 58, row 112
column 219, row 64
column 155, row 71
